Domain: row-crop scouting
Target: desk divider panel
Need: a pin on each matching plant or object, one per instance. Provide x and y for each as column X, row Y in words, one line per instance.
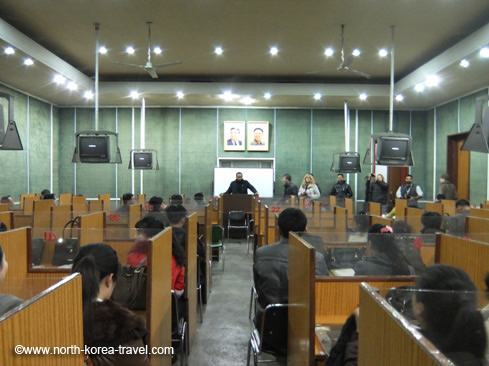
column 41, row 220
column 332, row 201
column 7, row 217
column 65, row 199
column 470, row 255
column 105, row 198
column 301, row 331
column 477, row 228
column 448, row 207
column 385, row 339
column 413, row 218
column 4, row 207
column 401, row 205
column 135, row 213
column 29, row 205
column 92, row 227
column 191, row 275
column 220, row 207
column 95, row 206
column 478, row 212
column 79, row 205
column 31, row 325
column 22, row 198
column 60, row 216
column 381, row 220
column 158, row 300
column 434, row 207
column 208, row 249
column 375, row 208
column 350, row 207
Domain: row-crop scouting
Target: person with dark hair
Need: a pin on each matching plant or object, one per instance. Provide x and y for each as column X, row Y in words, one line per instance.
column 341, row 190
column 485, row 315
column 410, row 191
column 106, row 323
column 387, row 259
column 240, row 186
column 446, row 307
column 3, row 227
column 199, row 200
column 146, row 229
column 49, row 196
column 376, row 188
column 8, row 200
column 455, row 225
column 44, row 193
column 446, row 188
column 176, row 199
column 156, row 210
column 7, row 302
column 127, row 200
column 290, row 189
column 440, row 197
column 431, row 223
column 271, row 268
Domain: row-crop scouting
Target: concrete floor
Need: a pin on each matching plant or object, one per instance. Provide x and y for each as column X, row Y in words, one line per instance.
column 222, row 339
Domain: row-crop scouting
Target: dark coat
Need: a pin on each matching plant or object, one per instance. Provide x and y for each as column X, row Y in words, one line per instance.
column 240, row 187
column 290, row 190
column 377, row 191
column 448, row 190
column 377, row 265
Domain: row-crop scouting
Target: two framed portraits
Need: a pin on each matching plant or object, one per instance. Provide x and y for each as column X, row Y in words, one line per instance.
column 255, row 137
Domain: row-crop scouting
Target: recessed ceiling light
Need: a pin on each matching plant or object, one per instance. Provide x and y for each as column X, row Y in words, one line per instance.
column 157, row 50
column 464, row 63
column 247, row 100
column 432, row 80
column 228, row 96
column 273, row 51
column 88, row 95
column 317, row 96
column 28, row 62
column 103, row 50
column 9, row 50
column 419, row 87
column 383, row 52
column 59, row 79
column 130, row 50
column 399, row 97
column 356, row 52
column 267, row 96
column 218, row 50
column 72, row 86
column 134, row 94
column 363, row 96
column 484, row 52
column 180, row 94
column 329, row 52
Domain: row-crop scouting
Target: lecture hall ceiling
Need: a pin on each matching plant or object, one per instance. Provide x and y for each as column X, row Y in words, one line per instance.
column 431, row 37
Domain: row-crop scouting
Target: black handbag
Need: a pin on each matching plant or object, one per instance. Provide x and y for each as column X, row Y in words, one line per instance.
column 343, row 257
column 37, row 250
column 130, row 287
column 66, row 248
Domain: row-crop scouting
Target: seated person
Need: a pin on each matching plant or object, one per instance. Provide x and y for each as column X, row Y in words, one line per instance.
column 176, row 199
column 440, row 197
column 447, row 311
column 431, row 223
column 50, row 196
column 176, row 216
column 106, row 323
column 456, row 224
column 8, row 200
column 127, row 200
column 271, row 268
column 7, row 302
column 199, row 200
column 3, row 227
column 387, row 259
column 44, row 193
column 146, row 229
column 156, row 210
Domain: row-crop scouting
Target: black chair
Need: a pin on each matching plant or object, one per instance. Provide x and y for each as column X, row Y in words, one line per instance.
column 199, row 290
column 271, row 334
column 253, row 298
column 239, row 220
column 179, row 329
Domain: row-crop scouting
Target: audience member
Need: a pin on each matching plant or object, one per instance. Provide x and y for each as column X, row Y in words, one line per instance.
column 8, row 200
column 240, row 186
column 127, row 200
column 440, row 197
column 431, row 223
column 176, row 199
column 44, row 193
column 377, row 190
column 387, row 259
column 3, row 227
column 341, row 190
column 49, row 196
column 106, row 323
column 290, row 189
column 7, row 302
column 199, row 200
column 156, row 210
column 309, row 189
column 446, row 188
column 456, row 224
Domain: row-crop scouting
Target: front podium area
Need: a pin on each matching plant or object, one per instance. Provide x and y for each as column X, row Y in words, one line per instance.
column 236, row 202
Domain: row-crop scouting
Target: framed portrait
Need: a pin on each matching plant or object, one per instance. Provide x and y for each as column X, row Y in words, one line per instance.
column 258, row 136
column 234, row 136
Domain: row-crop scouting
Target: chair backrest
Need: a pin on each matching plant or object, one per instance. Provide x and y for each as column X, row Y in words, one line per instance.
column 217, row 232
column 273, row 331
column 237, row 216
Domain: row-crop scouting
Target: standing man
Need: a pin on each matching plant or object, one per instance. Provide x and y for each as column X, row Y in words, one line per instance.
column 341, row 190
column 410, row 191
column 446, row 188
column 240, row 186
column 290, row 189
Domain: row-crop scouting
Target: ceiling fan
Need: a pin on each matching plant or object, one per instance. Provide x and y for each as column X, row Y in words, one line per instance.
column 148, row 66
column 345, row 65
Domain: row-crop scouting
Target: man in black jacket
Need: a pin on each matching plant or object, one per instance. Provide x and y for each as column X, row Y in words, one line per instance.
column 240, row 186
column 290, row 189
column 341, row 190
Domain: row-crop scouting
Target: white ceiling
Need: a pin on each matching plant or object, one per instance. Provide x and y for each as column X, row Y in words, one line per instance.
column 430, row 37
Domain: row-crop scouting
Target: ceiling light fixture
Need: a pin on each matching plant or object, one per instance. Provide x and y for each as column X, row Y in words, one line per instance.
column 134, row 94
column 419, row 87
column 247, row 100
column 28, row 62
column 267, row 96
column 432, row 80
column 484, row 52
column 59, row 79
column 464, row 63
column 9, row 50
column 157, row 50
column 274, row 51
column 363, row 96
column 130, row 50
column 218, row 50
column 103, row 50
column 88, row 95
column 399, row 97
column 328, row 52
column 317, row 96
column 72, row 86
column 180, row 94
column 228, row 96
column 356, row 52
column 383, row 52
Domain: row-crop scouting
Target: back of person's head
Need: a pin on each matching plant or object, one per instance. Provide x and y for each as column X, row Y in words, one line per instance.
column 176, row 199
column 440, row 197
column 291, row 219
column 45, row 192
column 462, row 204
column 401, row 227
column 155, row 202
column 431, row 220
column 382, row 240
column 5, row 199
column 362, row 221
column 198, row 197
column 288, row 177
column 3, row 227
column 94, row 262
column 445, row 177
column 175, row 213
column 149, row 226
column 126, row 197
column 49, row 196
column 449, row 314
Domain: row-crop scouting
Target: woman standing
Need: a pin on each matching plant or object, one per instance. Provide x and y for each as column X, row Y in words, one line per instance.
column 309, row 189
column 377, row 189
